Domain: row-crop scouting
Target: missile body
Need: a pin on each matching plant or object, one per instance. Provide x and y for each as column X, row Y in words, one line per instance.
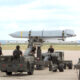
column 44, row 34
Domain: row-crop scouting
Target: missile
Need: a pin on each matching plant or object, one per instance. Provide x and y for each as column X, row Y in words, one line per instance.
column 53, row 34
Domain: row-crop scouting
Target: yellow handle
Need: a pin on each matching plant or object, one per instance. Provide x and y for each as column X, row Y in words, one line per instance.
column 21, row 34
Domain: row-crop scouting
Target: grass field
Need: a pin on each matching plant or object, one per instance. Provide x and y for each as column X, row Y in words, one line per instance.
column 44, row 47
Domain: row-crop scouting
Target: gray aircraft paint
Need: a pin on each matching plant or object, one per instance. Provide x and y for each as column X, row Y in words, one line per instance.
column 44, row 34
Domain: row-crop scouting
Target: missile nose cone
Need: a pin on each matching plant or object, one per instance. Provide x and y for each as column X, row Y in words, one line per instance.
column 74, row 35
column 12, row 35
column 19, row 34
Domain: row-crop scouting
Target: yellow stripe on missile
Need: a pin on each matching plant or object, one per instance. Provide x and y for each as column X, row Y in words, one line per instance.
column 21, row 34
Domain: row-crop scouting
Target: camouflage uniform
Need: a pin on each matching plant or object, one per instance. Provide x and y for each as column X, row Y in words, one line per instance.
column 0, row 51
column 17, row 52
column 51, row 50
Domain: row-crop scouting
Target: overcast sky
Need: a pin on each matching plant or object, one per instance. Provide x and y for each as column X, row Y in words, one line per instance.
column 20, row 15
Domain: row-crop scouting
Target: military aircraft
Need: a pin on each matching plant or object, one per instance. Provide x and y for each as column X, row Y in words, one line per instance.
column 45, row 35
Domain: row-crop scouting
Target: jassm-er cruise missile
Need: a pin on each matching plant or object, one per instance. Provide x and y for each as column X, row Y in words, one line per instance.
column 45, row 35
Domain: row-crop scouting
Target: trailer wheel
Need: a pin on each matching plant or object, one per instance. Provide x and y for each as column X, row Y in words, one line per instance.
column 30, row 73
column 61, row 69
column 50, row 67
column 55, row 70
column 64, row 66
column 70, row 65
column 9, row 73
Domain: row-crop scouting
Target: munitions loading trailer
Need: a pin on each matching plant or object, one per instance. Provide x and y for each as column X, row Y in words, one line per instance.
column 57, row 61
column 9, row 64
column 77, row 66
column 38, row 59
column 67, row 63
column 37, row 41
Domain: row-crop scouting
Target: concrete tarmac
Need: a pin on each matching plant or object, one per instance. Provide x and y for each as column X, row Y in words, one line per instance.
column 42, row 75
column 46, row 74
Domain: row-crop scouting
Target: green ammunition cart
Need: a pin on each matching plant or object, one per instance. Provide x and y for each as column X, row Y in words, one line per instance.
column 9, row 64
